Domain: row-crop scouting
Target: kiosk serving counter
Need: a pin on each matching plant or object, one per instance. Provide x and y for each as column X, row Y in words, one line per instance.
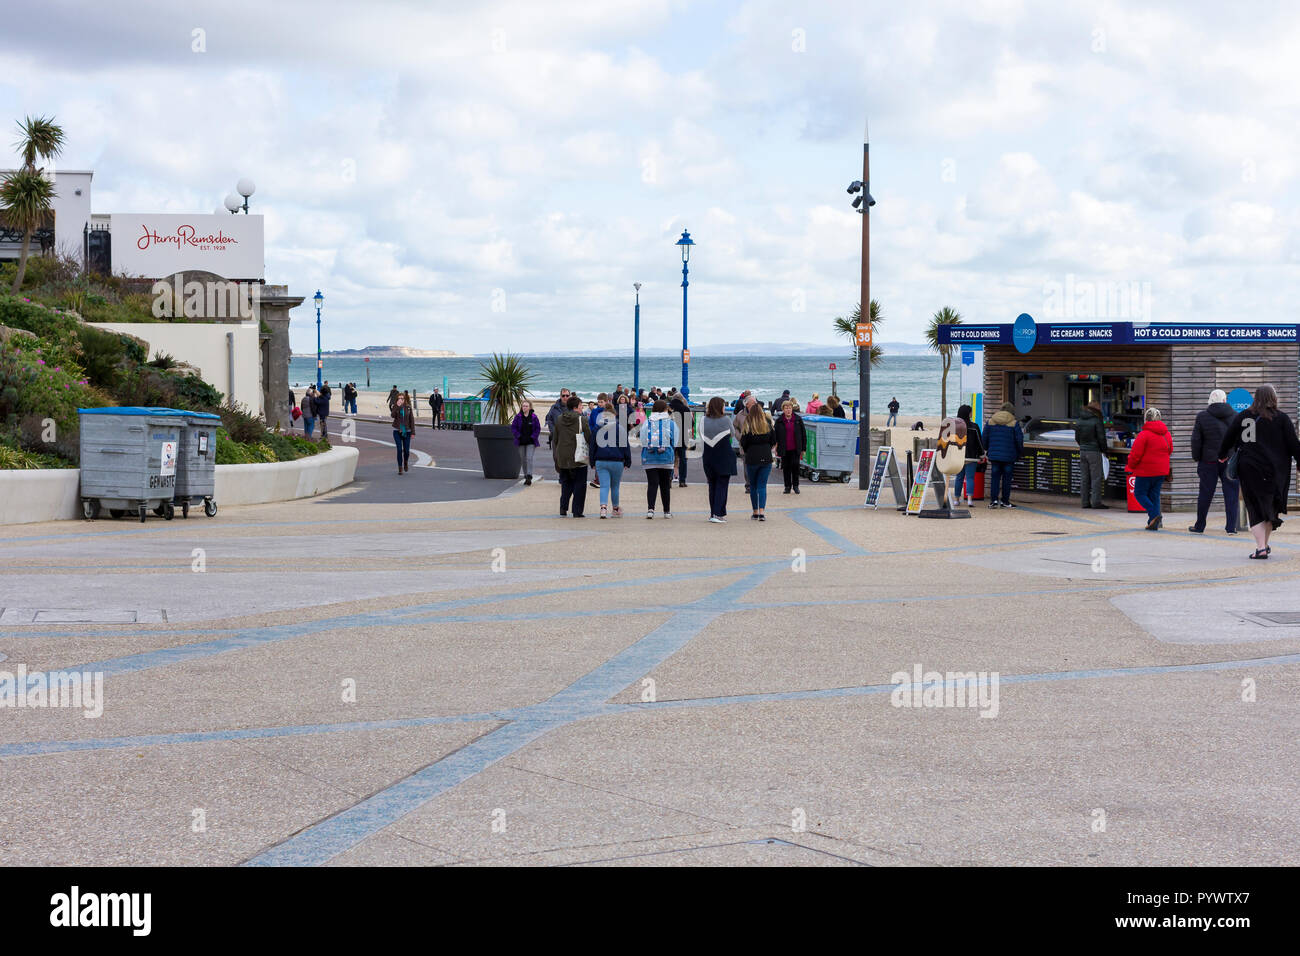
column 1049, row 372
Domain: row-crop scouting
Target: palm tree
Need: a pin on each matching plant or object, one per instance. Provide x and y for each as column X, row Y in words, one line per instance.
column 848, row 328
column 945, row 316
column 27, row 197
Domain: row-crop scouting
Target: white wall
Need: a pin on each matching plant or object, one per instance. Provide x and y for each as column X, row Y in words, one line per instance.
column 71, row 212
column 203, row 345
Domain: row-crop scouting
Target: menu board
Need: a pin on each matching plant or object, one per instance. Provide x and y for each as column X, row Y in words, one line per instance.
column 1056, row 471
column 883, row 457
column 920, row 481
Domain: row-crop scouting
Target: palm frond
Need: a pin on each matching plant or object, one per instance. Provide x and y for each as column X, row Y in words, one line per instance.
column 508, row 380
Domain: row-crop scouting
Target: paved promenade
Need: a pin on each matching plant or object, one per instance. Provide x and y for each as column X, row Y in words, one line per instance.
column 377, row 676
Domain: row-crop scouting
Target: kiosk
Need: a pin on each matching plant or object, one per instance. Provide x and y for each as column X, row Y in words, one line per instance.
column 1050, row 371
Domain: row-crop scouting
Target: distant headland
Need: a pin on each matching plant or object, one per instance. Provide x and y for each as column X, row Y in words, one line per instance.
column 385, row 351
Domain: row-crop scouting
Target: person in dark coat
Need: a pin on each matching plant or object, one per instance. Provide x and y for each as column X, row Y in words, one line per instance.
column 553, row 416
column 573, row 473
column 323, row 395
column 1090, row 436
column 974, row 456
column 718, row 458
column 1207, row 435
column 791, row 441
column 681, row 411
column 308, row 406
column 1004, row 443
column 435, row 407
column 527, row 431
column 1265, row 441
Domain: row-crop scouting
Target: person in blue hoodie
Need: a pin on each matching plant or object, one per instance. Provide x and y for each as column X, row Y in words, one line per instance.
column 1004, row 443
column 613, row 453
column 658, row 440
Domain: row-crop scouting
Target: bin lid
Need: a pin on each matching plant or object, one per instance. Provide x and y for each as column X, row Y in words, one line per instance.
column 134, row 410
column 830, row 418
column 215, row 418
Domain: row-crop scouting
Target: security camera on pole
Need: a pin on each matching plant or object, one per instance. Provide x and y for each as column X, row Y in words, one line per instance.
column 862, row 186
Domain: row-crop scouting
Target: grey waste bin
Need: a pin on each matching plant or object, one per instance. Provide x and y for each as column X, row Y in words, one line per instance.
column 196, row 463
column 128, row 459
column 831, row 451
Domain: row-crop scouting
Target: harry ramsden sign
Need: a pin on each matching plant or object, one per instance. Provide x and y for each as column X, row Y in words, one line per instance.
column 1122, row 333
column 153, row 246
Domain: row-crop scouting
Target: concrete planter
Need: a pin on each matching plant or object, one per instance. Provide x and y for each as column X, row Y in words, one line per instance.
column 54, row 494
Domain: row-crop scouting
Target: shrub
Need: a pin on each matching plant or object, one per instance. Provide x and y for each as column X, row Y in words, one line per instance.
column 102, row 354
column 196, row 395
column 163, row 360
column 241, row 424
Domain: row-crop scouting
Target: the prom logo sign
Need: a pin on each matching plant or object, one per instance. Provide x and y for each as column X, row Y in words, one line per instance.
column 186, row 235
column 158, row 245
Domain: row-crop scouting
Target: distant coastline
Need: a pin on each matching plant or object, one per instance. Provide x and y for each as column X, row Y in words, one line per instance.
column 386, row 352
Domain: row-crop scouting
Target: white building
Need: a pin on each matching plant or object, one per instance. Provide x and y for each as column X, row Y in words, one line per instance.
column 71, row 217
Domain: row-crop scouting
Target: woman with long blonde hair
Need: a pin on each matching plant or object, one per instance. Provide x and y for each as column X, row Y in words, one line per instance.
column 758, row 439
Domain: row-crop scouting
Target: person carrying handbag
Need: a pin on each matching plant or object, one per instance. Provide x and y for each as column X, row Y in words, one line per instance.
column 572, row 455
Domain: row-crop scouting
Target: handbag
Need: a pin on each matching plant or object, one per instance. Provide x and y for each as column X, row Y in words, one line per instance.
column 581, row 456
column 1231, row 469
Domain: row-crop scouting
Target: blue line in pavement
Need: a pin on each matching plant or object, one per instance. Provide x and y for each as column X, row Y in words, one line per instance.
column 832, row 538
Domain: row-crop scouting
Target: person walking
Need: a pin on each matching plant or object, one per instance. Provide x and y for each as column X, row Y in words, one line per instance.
column 613, row 453
column 974, row 458
column 1264, row 440
column 893, row 412
column 1212, row 424
column 593, row 412
column 293, row 406
column 527, row 431
column 658, row 443
column 682, row 417
column 746, row 402
column 354, row 400
column 1148, row 463
column 435, row 407
column 1090, row 436
column 553, row 416
column 392, row 397
column 571, row 465
column 403, row 429
column 308, row 407
column 1004, row 443
column 323, row 395
column 757, row 439
column 717, row 458
column 791, row 441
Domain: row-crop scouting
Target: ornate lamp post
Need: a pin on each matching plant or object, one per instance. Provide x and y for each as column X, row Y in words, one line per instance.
column 319, row 300
column 685, row 242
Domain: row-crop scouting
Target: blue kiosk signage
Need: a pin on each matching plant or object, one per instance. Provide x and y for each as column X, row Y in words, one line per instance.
column 1025, row 333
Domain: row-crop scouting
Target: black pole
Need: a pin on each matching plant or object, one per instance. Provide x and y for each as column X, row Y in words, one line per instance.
column 864, row 319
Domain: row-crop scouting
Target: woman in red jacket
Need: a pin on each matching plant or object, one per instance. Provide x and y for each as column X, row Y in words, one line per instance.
column 1148, row 462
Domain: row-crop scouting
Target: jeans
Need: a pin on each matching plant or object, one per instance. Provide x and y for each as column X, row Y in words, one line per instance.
column 573, row 486
column 308, row 425
column 1091, row 477
column 611, row 475
column 658, row 480
column 403, row 443
column 965, row 479
column 323, row 421
column 1211, row 473
column 718, row 485
column 681, row 464
column 1147, row 492
column 756, row 475
column 526, row 458
column 790, row 469
column 893, row 419
column 1000, row 481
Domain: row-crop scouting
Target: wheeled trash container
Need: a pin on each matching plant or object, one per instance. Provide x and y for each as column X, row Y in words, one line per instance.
column 196, row 463
column 831, row 450
column 129, row 459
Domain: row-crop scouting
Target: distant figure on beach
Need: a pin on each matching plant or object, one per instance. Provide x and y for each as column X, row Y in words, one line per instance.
column 1212, row 424
column 757, row 439
column 1004, row 443
column 1090, row 436
column 791, row 440
column 435, row 407
column 893, row 412
column 918, row 426
column 1264, row 440
column 573, row 473
column 527, row 432
column 323, row 395
column 718, row 459
column 658, row 441
column 403, row 430
column 1148, row 463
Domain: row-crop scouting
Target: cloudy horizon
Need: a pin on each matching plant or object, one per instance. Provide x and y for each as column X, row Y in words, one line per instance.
column 498, row 175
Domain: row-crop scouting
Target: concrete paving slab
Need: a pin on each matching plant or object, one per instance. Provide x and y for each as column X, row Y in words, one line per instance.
column 1142, row 556
column 1242, row 613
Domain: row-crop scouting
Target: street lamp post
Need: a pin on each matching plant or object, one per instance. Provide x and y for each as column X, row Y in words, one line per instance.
column 685, row 242
column 245, row 188
column 863, row 204
column 319, row 300
column 636, row 343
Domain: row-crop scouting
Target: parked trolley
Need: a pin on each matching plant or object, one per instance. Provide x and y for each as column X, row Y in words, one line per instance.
column 831, row 448
column 196, row 464
column 129, row 459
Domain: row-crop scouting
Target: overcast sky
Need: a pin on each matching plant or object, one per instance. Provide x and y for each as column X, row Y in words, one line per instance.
column 497, row 175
